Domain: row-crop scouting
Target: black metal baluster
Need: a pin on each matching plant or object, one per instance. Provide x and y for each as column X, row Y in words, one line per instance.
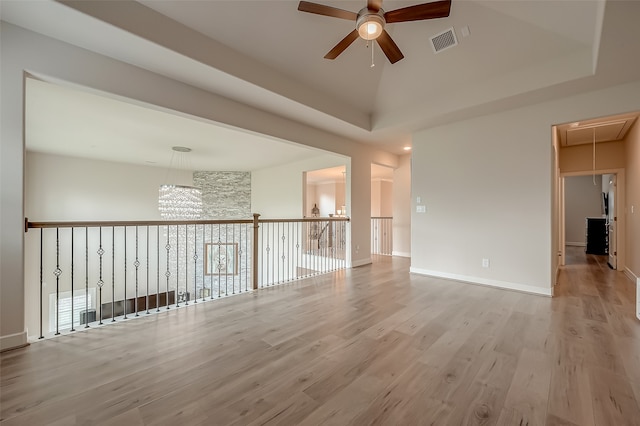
column 246, row 258
column 41, row 281
column 168, row 273
column 57, row 272
column 136, row 263
column 125, row 273
column 186, row 265
column 235, row 261
column 282, row 274
column 218, row 263
column 265, row 228
column 86, row 277
column 195, row 264
column 100, row 283
column 177, row 266
column 226, row 263
column 277, row 264
column 203, row 255
column 209, row 261
column 113, row 274
column 158, row 268
column 72, row 295
column 146, row 303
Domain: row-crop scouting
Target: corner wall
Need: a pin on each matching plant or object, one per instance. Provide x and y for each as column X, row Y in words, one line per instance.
column 632, row 196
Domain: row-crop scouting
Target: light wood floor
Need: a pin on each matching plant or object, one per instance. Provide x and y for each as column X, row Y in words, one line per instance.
column 372, row 345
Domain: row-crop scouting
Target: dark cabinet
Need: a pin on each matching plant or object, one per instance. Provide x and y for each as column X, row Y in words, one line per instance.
column 596, row 233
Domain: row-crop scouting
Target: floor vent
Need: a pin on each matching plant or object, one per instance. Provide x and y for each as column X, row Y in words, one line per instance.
column 444, row 40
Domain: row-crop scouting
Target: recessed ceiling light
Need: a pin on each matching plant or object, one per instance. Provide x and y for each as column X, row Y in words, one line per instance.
column 407, row 148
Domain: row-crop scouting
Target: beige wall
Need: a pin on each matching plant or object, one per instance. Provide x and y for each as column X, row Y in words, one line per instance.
column 381, row 198
column 609, row 155
column 402, row 208
column 487, row 185
column 582, row 199
column 633, row 199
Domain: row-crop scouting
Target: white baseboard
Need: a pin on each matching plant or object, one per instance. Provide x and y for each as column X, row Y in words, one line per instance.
column 484, row 281
column 575, row 244
column 634, row 279
column 13, row 341
column 400, row 254
column 630, row 274
column 361, row 262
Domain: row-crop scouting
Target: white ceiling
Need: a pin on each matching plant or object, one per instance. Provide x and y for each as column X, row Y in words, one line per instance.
column 270, row 56
column 75, row 123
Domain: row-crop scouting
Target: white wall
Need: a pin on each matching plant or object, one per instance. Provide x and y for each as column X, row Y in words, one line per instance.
column 487, row 186
column 277, row 192
column 326, row 198
column 59, row 62
column 402, row 208
column 65, row 188
column 375, row 198
column 582, row 199
column 381, row 198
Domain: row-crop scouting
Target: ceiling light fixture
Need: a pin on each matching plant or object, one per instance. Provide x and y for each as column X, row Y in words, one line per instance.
column 177, row 201
column 370, row 24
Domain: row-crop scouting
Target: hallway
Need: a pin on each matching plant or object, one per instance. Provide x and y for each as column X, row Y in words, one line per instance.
column 369, row 345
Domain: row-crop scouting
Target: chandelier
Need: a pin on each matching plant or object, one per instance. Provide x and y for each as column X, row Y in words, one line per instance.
column 175, row 201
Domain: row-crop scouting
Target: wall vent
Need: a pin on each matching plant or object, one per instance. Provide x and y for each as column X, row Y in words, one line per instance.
column 444, row 40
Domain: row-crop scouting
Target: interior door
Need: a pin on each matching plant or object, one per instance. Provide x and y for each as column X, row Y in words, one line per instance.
column 612, row 221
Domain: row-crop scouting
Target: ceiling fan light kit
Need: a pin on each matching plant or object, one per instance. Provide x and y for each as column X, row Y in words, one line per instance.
column 369, row 24
column 371, row 20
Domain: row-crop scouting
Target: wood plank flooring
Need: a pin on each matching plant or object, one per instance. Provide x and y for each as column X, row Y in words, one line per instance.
column 367, row 346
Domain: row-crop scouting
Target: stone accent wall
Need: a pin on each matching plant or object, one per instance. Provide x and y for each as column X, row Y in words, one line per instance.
column 225, row 195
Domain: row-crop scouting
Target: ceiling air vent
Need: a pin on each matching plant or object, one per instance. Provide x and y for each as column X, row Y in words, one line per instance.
column 444, row 40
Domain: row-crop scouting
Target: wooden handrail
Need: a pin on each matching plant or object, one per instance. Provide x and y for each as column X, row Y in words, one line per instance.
column 117, row 223
column 89, row 224
column 307, row 219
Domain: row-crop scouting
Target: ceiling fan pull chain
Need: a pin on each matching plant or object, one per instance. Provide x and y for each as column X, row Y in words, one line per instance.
column 372, row 49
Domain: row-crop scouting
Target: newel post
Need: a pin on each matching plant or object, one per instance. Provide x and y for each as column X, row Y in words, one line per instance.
column 255, row 250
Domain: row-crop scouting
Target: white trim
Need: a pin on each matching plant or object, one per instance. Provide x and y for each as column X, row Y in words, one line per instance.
column 484, row 281
column 575, row 244
column 630, row 274
column 638, row 298
column 400, row 253
column 11, row 341
column 361, row 262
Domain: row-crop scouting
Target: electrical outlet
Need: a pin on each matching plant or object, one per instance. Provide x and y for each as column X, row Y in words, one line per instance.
column 421, row 209
column 485, row 263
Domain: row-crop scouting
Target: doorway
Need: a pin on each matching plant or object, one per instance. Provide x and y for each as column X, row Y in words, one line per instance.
column 589, row 220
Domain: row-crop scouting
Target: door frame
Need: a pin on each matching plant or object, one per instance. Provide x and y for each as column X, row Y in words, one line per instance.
column 621, row 223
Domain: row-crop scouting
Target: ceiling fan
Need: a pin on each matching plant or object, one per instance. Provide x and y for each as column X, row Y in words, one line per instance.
column 370, row 22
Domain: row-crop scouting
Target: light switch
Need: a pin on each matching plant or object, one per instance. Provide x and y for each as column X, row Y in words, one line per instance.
column 418, row 200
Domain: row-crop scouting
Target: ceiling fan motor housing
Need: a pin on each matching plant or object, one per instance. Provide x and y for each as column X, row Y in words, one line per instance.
column 370, row 23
